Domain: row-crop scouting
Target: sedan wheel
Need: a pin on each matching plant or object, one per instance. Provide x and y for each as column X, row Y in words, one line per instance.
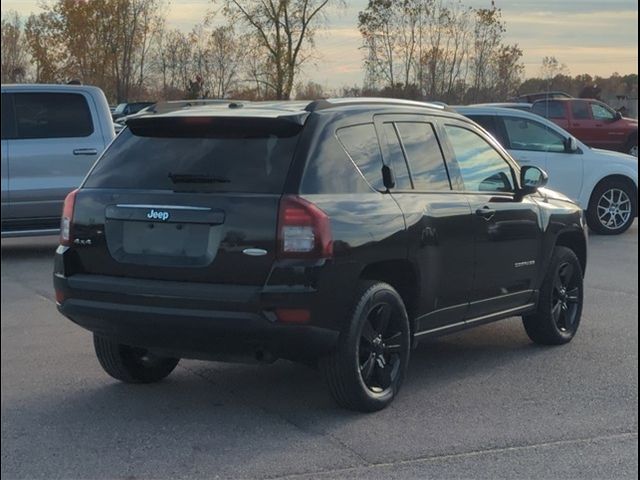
column 614, row 209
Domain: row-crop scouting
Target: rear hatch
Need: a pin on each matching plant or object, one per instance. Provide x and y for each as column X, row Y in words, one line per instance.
column 186, row 199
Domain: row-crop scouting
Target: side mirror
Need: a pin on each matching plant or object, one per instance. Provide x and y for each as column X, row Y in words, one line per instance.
column 388, row 179
column 618, row 115
column 531, row 179
column 571, row 145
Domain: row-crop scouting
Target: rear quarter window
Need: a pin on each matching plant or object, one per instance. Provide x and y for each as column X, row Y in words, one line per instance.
column 52, row 115
column 549, row 109
column 361, row 144
column 330, row 170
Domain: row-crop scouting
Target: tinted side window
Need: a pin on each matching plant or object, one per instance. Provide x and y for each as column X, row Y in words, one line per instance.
column 397, row 161
column 8, row 119
column 481, row 166
column 52, row 115
column 580, row 110
column 600, row 112
column 489, row 123
column 549, row 109
column 361, row 143
column 425, row 158
column 329, row 169
column 525, row 134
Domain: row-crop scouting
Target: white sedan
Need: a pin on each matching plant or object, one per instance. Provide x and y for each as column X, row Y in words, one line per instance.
column 602, row 182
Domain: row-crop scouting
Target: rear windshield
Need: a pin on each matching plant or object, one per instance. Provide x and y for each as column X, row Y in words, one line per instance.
column 244, row 160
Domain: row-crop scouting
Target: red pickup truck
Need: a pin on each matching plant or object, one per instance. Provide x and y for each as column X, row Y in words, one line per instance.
column 593, row 122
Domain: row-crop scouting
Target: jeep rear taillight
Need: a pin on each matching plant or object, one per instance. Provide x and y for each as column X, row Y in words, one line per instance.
column 304, row 231
column 67, row 218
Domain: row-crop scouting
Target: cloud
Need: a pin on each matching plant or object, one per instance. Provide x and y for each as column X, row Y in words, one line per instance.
column 590, row 36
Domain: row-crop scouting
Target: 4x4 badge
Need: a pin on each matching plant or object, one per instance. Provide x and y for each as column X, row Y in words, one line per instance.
column 159, row 215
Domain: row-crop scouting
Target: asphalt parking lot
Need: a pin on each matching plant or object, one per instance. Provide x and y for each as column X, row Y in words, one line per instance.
column 481, row 404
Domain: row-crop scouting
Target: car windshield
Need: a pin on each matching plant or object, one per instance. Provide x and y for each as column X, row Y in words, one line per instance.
column 120, row 108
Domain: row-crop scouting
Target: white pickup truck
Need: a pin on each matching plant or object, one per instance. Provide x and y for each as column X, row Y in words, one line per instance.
column 51, row 136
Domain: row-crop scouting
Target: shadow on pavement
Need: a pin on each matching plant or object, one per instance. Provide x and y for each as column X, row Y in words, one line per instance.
column 283, row 387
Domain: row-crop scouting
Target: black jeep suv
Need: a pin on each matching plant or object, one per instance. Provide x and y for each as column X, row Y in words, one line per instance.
column 336, row 232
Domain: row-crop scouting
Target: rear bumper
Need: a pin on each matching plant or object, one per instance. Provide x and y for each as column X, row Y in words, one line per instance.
column 191, row 320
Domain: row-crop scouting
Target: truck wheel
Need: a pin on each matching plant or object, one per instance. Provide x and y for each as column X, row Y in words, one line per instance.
column 131, row 364
column 612, row 207
column 632, row 147
column 560, row 303
column 366, row 370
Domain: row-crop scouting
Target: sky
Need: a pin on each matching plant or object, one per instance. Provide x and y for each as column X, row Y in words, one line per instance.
column 598, row 37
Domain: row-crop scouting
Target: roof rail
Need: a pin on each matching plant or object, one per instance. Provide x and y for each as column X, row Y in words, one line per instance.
column 337, row 102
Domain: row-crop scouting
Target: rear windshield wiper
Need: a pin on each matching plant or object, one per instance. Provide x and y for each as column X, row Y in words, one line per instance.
column 196, row 178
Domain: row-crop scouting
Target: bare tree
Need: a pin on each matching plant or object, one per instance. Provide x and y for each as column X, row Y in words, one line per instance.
column 285, row 31
column 226, row 59
column 14, row 61
column 377, row 24
column 508, row 72
column 551, row 67
column 133, row 23
column 257, row 70
column 488, row 31
column 436, row 49
column 310, row 91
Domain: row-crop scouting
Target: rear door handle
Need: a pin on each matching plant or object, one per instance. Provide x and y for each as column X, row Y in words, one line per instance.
column 85, row 151
column 486, row 213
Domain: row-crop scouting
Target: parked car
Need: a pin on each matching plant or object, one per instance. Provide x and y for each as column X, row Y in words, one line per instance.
column 526, row 107
column 124, row 109
column 532, row 97
column 339, row 232
column 603, row 183
column 593, row 122
column 51, row 135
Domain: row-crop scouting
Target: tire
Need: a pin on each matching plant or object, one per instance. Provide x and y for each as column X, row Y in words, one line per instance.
column 560, row 303
column 131, row 364
column 365, row 371
column 612, row 207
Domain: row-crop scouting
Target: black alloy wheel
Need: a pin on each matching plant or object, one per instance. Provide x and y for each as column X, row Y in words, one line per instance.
column 559, row 309
column 366, row 369
column 566, row 297
column 380, row 348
